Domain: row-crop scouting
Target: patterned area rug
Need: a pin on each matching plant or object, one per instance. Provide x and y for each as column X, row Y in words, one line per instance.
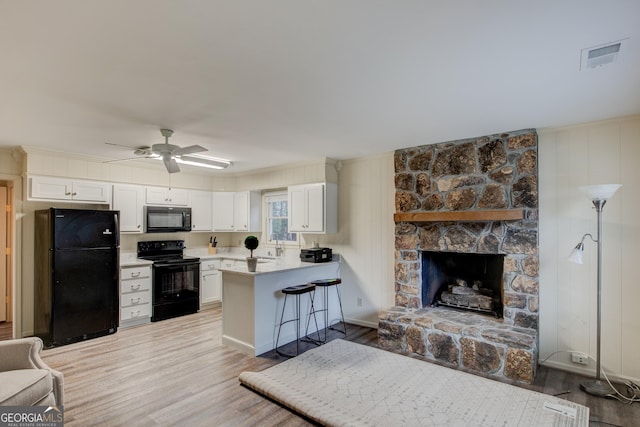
column 347, row 384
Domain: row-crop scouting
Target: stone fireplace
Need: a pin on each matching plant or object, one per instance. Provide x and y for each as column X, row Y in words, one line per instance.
column 455, row 202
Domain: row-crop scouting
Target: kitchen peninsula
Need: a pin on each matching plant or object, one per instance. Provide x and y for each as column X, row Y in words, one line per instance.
column 252, row 302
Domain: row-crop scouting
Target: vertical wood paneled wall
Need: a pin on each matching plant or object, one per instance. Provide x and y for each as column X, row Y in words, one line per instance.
column 365, row 239
column 594, row 153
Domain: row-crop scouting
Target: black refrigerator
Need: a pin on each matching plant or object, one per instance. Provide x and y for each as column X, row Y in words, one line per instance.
column 76, row 274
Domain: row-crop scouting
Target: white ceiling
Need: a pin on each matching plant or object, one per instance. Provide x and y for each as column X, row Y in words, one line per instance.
column 270, row 82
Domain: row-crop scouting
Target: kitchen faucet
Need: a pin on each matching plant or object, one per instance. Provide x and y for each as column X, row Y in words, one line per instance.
column 278, row 248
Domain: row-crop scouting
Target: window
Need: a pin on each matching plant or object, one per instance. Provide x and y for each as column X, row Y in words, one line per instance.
column 277, row 216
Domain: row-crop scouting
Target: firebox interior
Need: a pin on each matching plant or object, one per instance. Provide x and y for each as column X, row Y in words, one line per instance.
column 463, row 281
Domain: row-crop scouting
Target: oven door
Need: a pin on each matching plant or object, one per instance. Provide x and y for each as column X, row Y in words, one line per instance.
column 176, row 289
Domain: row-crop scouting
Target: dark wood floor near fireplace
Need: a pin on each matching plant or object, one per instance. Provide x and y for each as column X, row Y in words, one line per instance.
column 177, row 372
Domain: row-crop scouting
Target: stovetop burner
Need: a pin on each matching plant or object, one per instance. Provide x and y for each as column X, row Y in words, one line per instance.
column 169, row 258
column 165, row 251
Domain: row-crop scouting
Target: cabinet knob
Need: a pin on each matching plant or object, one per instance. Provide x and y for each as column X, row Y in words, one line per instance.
column 67, row 193
column 135, row 287
column 138, row 225
column 74, row 194
column 136, row 274
column 135, row 300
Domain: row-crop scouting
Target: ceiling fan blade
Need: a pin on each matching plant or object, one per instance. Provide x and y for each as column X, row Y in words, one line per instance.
column 120, row 145
column 119, row 160
column 170, row 163
column 128, row 158
column 189, row 150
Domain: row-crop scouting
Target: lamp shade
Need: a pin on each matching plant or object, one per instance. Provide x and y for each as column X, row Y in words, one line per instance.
column 600, row 192
column 576, row 254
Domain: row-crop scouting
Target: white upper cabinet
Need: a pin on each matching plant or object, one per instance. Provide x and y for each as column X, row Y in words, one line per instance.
column 129, row 200
column 53, row 188
column 201, row 210
column 222, row 206
column 167, row 196
column 237, row 211
column 313, row 208
column 247, row 211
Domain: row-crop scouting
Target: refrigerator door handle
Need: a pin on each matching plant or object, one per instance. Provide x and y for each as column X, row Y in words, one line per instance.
column 117, row 229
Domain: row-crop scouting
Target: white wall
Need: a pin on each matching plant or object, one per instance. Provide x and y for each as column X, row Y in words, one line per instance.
column 593, row 153
column 366, row 237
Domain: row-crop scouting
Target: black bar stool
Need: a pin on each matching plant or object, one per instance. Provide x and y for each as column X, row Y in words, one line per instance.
column 296, row 291
column 325, row 285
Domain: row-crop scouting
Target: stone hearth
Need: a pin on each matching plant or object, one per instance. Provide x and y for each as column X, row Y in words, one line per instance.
column 496, row 172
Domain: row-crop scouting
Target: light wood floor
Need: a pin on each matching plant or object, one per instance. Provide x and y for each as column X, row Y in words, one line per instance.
column 177, row 372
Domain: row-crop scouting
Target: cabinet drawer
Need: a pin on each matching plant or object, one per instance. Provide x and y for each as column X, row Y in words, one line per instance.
column 136, row 298
column 135, row 273
column 139, row 285
column 209, row 264
column 135, row 312
column 228, row 263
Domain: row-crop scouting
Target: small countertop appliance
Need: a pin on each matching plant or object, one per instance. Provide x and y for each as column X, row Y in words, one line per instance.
column 316, row 255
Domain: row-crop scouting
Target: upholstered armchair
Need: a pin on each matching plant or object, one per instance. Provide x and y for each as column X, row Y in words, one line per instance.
column 25, row 380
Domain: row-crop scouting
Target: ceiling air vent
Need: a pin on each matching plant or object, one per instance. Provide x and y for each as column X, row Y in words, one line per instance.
column 596, row 56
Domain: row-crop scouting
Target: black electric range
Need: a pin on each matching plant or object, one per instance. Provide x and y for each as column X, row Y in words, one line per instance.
column 176, row 278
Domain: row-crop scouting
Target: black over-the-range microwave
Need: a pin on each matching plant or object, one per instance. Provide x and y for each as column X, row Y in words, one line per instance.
column 163, row 219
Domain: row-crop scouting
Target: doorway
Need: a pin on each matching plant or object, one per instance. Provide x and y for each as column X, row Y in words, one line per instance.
column 6, row 233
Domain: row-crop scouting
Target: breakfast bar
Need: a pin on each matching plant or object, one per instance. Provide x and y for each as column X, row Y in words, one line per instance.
column 252, row 302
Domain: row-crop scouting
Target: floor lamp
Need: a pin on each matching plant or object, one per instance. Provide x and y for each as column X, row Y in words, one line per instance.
column 599, row 194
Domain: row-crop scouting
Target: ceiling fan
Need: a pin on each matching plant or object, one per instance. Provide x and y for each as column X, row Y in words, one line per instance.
column 172, row 154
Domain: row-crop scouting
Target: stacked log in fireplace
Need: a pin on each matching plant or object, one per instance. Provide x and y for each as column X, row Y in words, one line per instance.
column 475, row 297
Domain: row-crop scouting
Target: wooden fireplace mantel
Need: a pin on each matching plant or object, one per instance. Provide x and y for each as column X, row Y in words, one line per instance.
column 469, row 216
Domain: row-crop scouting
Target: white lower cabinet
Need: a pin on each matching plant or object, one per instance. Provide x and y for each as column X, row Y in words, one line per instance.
column 135, row 295
column 231, row 263
column 210, row 281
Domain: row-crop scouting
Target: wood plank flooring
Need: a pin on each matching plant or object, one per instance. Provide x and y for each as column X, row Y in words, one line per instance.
column 177, row 372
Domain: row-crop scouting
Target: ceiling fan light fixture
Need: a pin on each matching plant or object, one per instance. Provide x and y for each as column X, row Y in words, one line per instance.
column 172, row 154
column 204, row 162
column 200, row 161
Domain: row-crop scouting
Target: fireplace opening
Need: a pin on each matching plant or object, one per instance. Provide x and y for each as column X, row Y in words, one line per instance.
column 464, row 281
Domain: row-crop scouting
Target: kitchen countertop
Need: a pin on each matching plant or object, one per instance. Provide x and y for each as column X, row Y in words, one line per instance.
column 275, row 267
column 204, row 254
column 129, row 259
column 265, row 264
